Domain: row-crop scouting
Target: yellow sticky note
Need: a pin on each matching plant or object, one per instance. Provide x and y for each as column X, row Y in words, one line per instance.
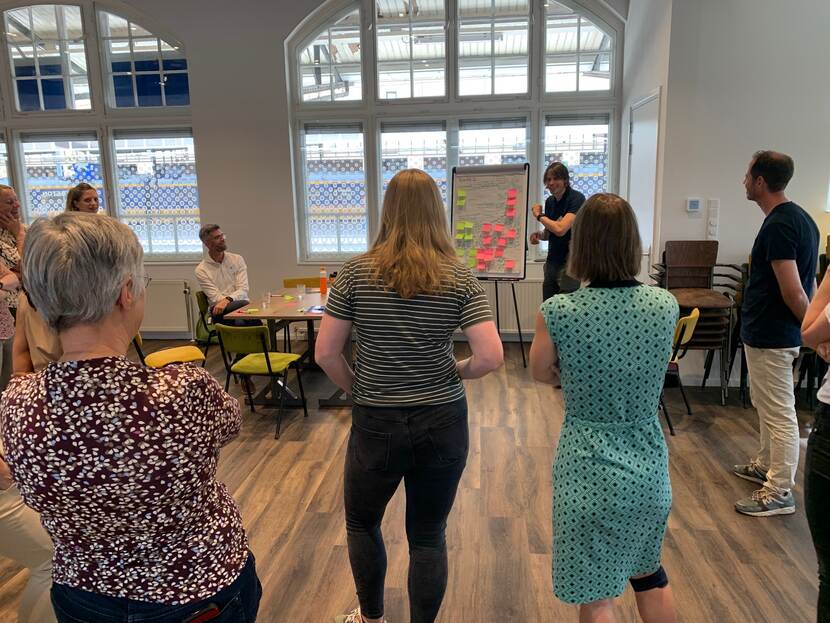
column 459, row 236
column 462, row 193
column 468, row 236
column 288, row 297
column 471, row 262
column 461, row 225
column 461, row 202
column 461, row 252
column 252, row 310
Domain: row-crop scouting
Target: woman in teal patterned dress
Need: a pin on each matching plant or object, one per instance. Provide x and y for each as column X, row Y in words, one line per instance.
column 608, row 344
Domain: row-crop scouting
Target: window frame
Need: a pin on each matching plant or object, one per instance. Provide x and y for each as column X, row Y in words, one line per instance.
column 535, row 105
column 102, row 119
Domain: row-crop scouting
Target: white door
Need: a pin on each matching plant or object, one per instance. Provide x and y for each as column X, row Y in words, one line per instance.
column 642, row 170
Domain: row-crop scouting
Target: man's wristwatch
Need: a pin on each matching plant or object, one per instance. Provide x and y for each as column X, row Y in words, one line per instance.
column 539, row 218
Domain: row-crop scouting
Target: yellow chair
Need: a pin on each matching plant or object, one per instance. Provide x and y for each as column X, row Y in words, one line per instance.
column 251, row 347
column 166, row 356
column 309, row 282
column 683, row 332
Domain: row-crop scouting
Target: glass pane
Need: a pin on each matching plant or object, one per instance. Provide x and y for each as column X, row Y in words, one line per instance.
column 18, row 25
column 414, row 149
column 492, row 146
column 73, row 27
column 345, row 54
column 44, row 21
column 77, row 58
column 555, row 8
column 176, row 90
column 591, row 38
column 594, row 72
column 511, row 8
column 113, row 25
column 475, row 8
column 148, row 89
column 428, row 60
column 28, row 95
column 561, row 35
column 394, row 80
column 560, row 73
column 52, row 168
column 119, row 55
column 335, row 192
column 475, row 76
column 347, row 82
column 4, row 165
column 80, row 97
column 393, row 50
column 138, row 31
column 510, row 49
column 49, row 58
column 158, row 194
column 54, row 94
column 316, row 83
column 145, row 49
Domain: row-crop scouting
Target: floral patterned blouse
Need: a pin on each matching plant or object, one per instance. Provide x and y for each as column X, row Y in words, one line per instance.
column 120, row 462
column 6, row 319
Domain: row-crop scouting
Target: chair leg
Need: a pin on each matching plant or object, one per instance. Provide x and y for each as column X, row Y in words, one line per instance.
column 666, row 415
column 247, row 385
column 227, row 380
column 302, row 392
column 707, row 367
column 683, row 393
column 207, row 348
column 282, row 405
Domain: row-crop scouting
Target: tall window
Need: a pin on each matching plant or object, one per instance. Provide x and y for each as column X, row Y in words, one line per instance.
column 145, row 174
column 442, row 84
column 157, row 194
column 55, row 163
column 335, row 190
column 48, row 59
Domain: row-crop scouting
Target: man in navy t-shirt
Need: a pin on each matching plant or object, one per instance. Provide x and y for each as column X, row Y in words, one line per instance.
column 781, row 281
column 557, row 219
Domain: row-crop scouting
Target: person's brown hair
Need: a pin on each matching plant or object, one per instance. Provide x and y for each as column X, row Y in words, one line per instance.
column 412, row 252
column 557, row 171
column 605, row 244
column 75, row 193
column 776, row 168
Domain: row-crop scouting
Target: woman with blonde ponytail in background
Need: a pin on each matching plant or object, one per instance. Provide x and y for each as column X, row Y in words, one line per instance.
column 405, row 298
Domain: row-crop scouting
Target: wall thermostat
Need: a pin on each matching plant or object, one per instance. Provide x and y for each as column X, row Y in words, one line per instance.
column 693, row 204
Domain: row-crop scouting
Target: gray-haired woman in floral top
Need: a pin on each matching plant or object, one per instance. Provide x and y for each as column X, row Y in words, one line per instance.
column 119, row 459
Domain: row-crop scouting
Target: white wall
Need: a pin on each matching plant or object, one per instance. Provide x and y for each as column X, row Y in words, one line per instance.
column 744, row 76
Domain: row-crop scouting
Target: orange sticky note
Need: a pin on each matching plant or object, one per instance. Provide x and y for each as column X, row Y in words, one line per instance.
column 512, row 192
column 511, row 201
column 498, row 228
column 502, row 242
column 510, row 212
column 487, row 240
column 511, row 233
column 486, row 227
column 499, row 252
column 509, row 264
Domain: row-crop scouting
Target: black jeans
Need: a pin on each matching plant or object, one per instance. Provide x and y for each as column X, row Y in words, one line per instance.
column 557, row 281
column 236, row 603
column 234, row 322
column 817, row 502
column 426, row 446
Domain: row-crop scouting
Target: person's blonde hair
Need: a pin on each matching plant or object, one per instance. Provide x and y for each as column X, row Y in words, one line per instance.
column 75, row 193
column 605, row 245
column 412, row 252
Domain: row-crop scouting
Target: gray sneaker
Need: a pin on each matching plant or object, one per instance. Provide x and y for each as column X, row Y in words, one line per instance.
column 751, row 471
column 764, row 503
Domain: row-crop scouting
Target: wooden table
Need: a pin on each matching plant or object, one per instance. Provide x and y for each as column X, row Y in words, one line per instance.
column 288, row 306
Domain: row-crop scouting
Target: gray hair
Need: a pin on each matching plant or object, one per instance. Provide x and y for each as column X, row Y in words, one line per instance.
column 75, row 264
column 207, row 230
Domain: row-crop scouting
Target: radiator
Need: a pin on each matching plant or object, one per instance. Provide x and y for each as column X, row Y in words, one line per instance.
column 528, row 298
column 168, row 312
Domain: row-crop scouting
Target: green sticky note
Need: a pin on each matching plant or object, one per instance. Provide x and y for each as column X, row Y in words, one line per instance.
column 459, row 236
column 468, row 236
column 461, row 252
column 462, row 193
column 460, row 225
column 471, row 262
column 468, row 224
column 461, row 202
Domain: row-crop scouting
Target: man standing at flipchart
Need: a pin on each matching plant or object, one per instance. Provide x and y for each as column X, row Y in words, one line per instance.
column 557, row 218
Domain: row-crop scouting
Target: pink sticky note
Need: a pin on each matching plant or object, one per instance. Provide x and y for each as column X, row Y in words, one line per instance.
column 509, row 264
column 486, row 227
column 498, row 228
column 510, row 212
column 480, row 255
column 499, row 252
column 502, row 242
column 511, row 201
column 512, row 192
column 511, row 233
column 481, row 267
column 488, row 254
column 487, row 240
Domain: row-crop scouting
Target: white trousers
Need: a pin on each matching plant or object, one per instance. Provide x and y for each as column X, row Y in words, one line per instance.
column 771, row 382
column 23, row 539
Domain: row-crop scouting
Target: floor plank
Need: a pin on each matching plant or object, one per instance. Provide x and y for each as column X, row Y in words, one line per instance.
column 724, row 567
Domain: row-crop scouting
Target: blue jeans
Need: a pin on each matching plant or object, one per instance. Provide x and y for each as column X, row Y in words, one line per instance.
column 236, row 603
column 426, row 447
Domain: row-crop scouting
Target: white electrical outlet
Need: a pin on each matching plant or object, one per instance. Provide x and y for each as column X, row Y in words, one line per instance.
column 713, row 218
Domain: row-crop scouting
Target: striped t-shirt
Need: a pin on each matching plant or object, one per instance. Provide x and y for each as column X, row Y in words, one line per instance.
column 405, row 354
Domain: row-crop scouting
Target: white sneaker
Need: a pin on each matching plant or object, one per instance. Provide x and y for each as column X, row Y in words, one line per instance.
column 352, row 617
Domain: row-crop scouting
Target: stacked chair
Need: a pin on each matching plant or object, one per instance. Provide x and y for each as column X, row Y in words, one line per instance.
column 683, row 333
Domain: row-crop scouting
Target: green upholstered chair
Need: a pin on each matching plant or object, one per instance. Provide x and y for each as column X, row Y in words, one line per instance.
column 165, row 356
column 205, row 329
column 252, row 356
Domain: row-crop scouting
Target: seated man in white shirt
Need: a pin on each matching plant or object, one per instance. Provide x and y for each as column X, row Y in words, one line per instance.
column 222, row 276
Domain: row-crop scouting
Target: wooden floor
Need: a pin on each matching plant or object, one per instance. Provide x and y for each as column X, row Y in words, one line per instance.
column 723, row 566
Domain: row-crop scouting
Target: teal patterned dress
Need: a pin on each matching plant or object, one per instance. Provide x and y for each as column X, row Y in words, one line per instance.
column 611, row 489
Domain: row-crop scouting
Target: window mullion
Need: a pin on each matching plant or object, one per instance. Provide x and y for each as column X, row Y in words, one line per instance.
column 106, row 144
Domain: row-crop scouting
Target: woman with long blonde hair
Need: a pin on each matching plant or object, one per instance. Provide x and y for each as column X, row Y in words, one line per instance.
column 405, row 298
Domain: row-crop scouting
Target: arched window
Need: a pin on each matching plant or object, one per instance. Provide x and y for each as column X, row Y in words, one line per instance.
column 70, row 65
column 382, row 85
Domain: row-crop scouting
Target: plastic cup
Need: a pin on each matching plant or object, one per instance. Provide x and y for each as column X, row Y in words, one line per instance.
column 301, row 290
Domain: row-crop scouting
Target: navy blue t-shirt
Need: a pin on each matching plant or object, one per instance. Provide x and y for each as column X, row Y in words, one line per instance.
column 570, row 202
column 788, row 233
